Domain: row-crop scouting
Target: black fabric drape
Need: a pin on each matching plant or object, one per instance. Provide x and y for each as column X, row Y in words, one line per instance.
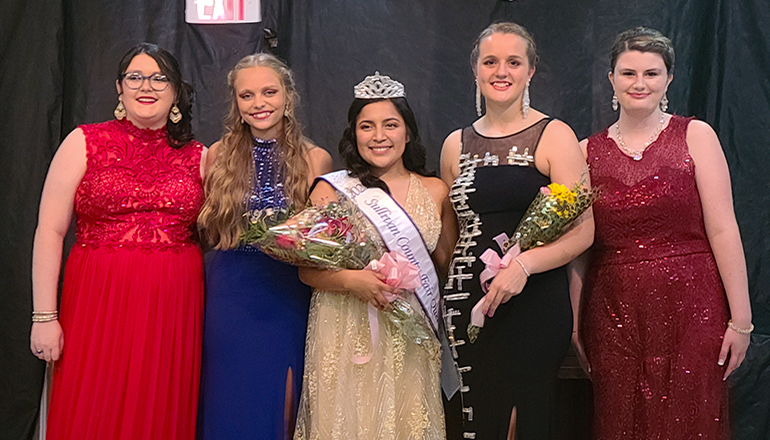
column 31, row 93
column 59, row 63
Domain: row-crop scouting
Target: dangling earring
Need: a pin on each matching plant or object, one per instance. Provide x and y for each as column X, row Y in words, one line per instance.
column 525, row 101
column 615, row 102
column 664, row 103
column 478, row 98
column 287, row 112
column 120, row 111
column 175, row 115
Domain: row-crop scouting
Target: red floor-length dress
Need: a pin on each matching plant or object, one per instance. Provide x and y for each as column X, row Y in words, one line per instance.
column 131, row 307
column 655, row 310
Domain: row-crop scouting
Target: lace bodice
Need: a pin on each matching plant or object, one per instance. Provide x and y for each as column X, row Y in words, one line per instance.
column 137, row 190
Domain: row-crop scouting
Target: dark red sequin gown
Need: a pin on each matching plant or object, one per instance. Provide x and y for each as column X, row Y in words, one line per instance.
column 131, row 307
column 655, row 310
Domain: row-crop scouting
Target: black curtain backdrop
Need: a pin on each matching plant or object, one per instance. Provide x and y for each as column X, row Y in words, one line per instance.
column 59, row 63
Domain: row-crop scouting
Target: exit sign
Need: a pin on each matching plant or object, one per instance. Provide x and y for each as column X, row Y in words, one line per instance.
column 222, row 11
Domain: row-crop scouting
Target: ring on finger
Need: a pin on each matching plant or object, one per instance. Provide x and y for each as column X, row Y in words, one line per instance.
column 38, row 352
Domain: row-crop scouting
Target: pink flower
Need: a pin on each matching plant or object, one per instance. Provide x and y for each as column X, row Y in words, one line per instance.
column 285, row 241
column 339, row 226
column 545, row 190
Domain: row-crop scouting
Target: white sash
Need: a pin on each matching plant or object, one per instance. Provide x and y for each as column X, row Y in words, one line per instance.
column 399, row 233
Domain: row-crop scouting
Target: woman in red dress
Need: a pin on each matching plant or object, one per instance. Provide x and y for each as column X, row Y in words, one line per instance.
column 666, row 315
column 131, row 305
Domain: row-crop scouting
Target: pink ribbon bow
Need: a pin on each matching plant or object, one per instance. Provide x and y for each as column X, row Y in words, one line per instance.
column 493, row 264
column 399, row 273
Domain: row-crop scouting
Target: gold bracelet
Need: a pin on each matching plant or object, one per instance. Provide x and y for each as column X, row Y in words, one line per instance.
column 45, row 316
column 523, row 267
column 743, row 331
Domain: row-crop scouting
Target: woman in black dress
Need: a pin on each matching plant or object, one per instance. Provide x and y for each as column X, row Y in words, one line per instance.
column 495, row 168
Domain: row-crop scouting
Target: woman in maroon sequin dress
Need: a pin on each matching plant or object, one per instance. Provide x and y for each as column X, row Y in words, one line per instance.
column 667, row 270
column 131, row 308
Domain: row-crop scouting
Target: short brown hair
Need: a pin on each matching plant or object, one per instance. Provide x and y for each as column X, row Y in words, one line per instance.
column 643, row 39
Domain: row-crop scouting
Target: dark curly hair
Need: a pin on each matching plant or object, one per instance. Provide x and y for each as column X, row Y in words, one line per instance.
column 414, row 153
column 178, row 135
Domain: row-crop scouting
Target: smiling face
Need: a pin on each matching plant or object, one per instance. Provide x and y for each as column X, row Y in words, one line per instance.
column 639, row 80
column 503, row 69
column 261, row 101
column 381, row 136
column 145, row 107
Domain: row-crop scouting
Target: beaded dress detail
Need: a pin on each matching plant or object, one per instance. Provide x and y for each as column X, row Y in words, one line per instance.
column 394, row 396
column 268, row 187
column 254, row 330
column 655, row 310
column 133, row 285
column 515, row 360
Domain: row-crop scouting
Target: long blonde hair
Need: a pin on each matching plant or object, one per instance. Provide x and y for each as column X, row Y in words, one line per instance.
column 231, row 179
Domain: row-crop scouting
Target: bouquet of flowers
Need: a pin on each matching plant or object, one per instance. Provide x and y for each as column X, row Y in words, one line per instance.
column 551, row 213
column 325, row 237
column 321, row 237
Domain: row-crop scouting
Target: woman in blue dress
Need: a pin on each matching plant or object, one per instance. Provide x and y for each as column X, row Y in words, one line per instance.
column 256, row 307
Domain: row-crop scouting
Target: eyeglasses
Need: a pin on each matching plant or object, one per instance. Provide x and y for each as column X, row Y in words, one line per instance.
column 134, row 80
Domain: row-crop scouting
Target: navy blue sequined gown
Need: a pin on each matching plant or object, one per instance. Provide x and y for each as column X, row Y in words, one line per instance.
column 254, row 330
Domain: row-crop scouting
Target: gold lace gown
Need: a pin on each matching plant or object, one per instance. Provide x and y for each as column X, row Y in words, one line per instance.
column 394, row 396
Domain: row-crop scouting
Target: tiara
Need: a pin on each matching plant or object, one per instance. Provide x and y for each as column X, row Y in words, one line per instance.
column 378, row 86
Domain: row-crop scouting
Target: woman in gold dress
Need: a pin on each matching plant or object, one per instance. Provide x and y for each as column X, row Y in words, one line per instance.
column 394, row 393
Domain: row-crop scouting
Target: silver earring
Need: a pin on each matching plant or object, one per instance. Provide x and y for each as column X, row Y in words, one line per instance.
column 615, row 102
column 664, row 103
column 478, row 98
column 525, row 101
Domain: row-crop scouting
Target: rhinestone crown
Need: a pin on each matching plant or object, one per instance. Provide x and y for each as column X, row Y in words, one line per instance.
column 379, row 86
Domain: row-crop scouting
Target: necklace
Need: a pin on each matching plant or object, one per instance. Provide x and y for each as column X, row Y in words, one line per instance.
column 637, row 154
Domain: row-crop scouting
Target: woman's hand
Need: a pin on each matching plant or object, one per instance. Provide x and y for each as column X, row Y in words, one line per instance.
column 735, row 344
column 509, row 282
column 368, row 286
column 580, row 353
column 48, row 338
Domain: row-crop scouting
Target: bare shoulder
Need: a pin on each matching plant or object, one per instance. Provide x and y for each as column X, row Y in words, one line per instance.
column 319, row 160
column 700, row 131
column 75, row 136
column 451, row 144
column 73, row 148
column 454, row 137
column 211, row 156
column 450, row 156
column 557, row 140
column 435, row 186
column 557, row 130
column 316, row 153
column 703, row 144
